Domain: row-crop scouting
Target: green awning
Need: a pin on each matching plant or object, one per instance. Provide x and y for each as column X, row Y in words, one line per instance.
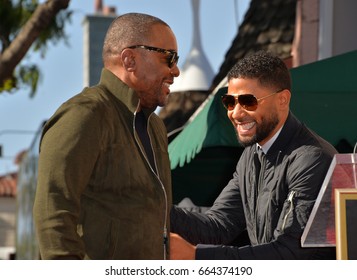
column 331, row 75
column 324, row 96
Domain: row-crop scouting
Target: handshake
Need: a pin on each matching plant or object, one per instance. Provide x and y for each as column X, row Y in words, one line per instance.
column 180, row 249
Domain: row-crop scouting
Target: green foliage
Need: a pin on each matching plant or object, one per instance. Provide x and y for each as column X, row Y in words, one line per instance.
column 14, row 14
column 29, row 75
column 25, row 76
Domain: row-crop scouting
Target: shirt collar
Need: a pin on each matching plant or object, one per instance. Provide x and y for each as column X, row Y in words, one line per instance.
column 270, row 142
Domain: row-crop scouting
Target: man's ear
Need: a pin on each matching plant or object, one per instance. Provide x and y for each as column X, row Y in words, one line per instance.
column 284, row 98
column 128, row 59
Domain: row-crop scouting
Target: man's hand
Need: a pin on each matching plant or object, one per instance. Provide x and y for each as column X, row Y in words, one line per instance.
column 180, row 249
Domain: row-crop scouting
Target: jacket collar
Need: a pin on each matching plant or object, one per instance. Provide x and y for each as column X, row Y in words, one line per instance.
column 291, row 126
column 121, row 91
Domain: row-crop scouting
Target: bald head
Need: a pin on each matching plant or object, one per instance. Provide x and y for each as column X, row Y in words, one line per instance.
column 128, row 30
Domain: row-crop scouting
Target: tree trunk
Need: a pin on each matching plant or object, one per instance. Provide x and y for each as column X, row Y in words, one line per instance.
column 18, row 48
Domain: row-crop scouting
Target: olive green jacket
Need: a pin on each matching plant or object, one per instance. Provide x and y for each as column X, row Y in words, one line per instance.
column 97, row 196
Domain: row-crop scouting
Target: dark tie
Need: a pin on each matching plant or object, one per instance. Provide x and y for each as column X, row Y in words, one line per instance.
column 260, row 165
column 261, row 154
column 259, row 172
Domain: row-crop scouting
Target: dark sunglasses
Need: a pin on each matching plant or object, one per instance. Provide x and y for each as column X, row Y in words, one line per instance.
column 248, row 101
column 172, row 56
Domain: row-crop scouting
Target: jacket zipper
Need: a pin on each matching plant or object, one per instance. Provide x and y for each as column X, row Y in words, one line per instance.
column 291, row 207
column 165, row 235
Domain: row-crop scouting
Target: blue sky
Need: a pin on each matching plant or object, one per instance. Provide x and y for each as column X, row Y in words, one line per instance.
column 62, row 67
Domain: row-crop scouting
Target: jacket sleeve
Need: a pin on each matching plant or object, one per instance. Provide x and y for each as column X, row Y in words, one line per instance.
column 221, row 224
column 304, row 178
column 305, row 175
column 69, row 148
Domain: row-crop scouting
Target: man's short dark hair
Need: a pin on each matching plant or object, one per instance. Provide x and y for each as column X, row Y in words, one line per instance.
column 267, row 68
